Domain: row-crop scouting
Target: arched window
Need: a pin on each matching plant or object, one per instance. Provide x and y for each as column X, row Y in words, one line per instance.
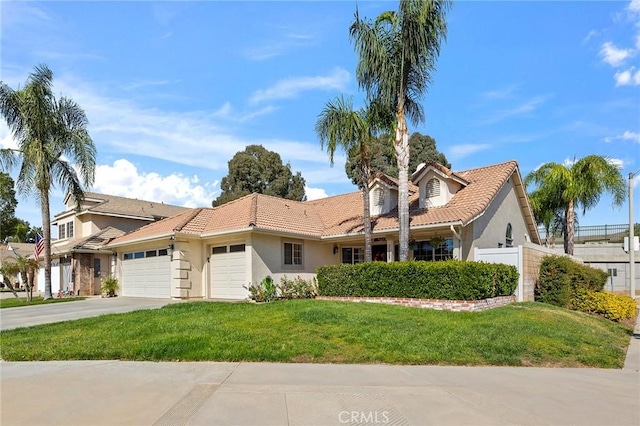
column 509, row 236
column 433, row 188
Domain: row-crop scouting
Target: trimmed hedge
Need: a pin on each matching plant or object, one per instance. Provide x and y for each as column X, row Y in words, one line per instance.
column 561, row 278
column 611, row 306
column 448, row 280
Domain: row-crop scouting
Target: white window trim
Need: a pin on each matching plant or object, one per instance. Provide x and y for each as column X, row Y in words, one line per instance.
column 293, row 265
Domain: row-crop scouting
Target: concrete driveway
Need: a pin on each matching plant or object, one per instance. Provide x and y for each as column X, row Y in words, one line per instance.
column 92, row 307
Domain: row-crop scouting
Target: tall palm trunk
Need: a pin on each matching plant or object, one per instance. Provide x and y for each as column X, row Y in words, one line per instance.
column 366, row 196
column 46, row 231
column 569, row 219
column 401, row 146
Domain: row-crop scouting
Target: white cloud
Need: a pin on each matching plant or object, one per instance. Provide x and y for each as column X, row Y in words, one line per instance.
column 618, row 163
column 196, row 138
column 282, row 45
column 123, row 179
column 614, row 56
column 227, row 112
column 627, row 136
column 522, row 109
column 504, row 93
column 627, row 77
column 636, row 180
column 6, row 139
column 292, row 87
column 315, row 193
column 464, row 150
column 137, row 84
column 634, row 6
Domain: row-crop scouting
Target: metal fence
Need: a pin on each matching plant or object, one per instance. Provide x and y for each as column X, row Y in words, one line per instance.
column 597, row 233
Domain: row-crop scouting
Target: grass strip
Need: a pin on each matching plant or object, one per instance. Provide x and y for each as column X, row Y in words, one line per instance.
column 522, row 334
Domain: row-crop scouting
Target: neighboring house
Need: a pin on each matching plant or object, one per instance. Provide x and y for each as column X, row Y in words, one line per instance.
column 79, row 260
column 10, row 252
column 217, row 252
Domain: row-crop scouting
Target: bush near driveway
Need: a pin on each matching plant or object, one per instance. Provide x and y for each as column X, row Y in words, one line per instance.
column 448, row 280
column 570, row 285
column 561, row 279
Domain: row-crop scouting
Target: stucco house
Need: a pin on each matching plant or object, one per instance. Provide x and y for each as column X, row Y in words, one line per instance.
column 216, row 252
column 79, row 260
column 10, row 252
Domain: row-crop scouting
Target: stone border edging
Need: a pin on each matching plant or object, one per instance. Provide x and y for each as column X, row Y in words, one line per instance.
column 440, row 305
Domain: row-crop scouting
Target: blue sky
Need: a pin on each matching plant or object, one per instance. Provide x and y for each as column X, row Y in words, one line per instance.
column 173, row 90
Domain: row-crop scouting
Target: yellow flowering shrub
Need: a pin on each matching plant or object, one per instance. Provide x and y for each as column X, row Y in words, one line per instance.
column 610, row 306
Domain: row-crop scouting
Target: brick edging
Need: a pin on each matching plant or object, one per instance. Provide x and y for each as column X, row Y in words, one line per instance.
column 437, row 304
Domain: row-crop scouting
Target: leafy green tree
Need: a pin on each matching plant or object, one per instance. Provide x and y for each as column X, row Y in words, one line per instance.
column 48, row 131
column 8, row 204
column 580, row 185
column 383, row 158
column 339, row 126
column 257, row 169
column 397, row 55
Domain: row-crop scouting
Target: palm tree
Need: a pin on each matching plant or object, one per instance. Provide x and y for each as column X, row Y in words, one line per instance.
column 547, row 213
column 579, row 185
column 47, row 133
column 397, row 55
column 339, row 125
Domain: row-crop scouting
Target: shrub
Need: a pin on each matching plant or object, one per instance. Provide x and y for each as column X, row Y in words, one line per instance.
column 561, row 278
column 452, row 280
column 109, row 287
column 297, row 288
column 264, row 291
column 610, row 306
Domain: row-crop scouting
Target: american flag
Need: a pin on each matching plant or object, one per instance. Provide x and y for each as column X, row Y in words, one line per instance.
column 38, row 247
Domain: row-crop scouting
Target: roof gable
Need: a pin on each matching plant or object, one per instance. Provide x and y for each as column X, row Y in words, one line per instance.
column 111, row 205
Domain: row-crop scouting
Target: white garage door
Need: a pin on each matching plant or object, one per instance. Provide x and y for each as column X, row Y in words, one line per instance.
column 147, row 274
column 228, row 272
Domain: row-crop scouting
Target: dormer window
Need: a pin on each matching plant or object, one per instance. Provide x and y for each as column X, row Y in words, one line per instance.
column 378, row 197
column 65, row 230
column 433, row 188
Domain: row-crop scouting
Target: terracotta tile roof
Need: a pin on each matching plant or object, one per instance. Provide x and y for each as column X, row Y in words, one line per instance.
column 115, row 205
column 95, row 241
column 331, row 216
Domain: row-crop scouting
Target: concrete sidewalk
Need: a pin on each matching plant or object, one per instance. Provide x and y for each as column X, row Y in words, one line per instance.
column 632, row 361
column 145, row 393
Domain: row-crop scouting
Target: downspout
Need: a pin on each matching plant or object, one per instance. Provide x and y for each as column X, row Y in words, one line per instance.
column 458, row 237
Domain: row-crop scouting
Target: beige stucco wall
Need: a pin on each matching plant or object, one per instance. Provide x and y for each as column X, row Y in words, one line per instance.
column 267, row 257
column 490, row 229
column 93, row 223
column 187, row 267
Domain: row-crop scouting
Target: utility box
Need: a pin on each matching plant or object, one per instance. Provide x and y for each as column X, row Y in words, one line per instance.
column 636, row 243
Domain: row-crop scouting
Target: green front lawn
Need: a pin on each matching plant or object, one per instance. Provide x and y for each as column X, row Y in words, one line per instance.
column 528, row 334
column 13, row 302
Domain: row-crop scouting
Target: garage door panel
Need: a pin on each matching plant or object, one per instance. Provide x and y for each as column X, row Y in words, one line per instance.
column 228, row 276
column 149, row 277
